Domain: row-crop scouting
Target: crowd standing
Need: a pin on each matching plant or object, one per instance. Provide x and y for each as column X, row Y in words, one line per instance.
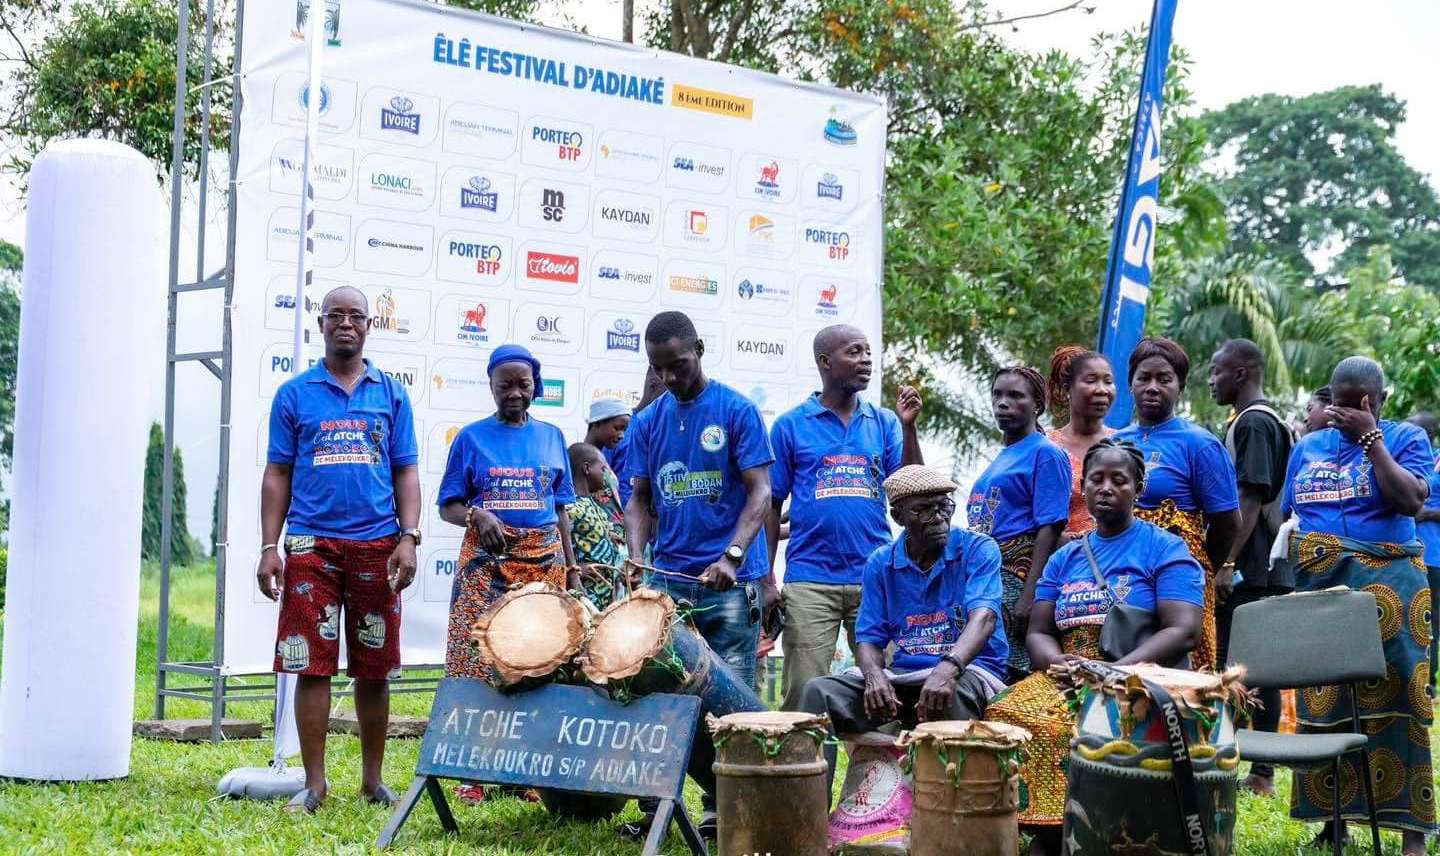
column 691, row 494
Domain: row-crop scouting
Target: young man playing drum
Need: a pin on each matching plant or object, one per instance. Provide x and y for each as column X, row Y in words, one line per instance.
column 934, row 592
column 342, row 480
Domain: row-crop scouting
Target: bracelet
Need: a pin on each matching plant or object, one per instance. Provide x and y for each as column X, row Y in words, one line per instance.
column 469, row 517
column 1368, row 439
column 269, row 547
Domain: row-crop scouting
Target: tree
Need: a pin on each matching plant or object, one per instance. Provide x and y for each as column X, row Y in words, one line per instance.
column 106, row 68
column 1320, row 172
column 181, row 546
column 11, row 263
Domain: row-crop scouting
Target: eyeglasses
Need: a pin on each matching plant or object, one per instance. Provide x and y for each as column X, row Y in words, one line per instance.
column 942, row 509
column 355, row 318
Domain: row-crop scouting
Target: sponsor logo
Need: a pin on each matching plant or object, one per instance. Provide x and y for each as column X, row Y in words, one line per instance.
column 551, row 393
column 745, row 289
column 330, row 26
column 389, row 182
column 712, row 439
column 287, row 301
column 386, row 318
column 552, row 267
column 697, row 223
column 767, row 185
column 487, row 256
column 476, row 193
column 628, row 216
column 608, row 272
column 322, row 173
column 400, row 116
column 325, row 97
column 762, row 230
column 694, row 285
column 677, row 483
column 552, row 205
column 829, row 187
column 471, row 331
column 838, row 131
column 622, row 336
column 684, row 164
column 616, row 153
column 387, row 244
column 568, row 145
column 755, row 289
column 761, row 347
column 826, row 306
column 836, row 244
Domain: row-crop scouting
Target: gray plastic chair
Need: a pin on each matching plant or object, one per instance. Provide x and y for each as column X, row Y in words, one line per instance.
column 1311, row 639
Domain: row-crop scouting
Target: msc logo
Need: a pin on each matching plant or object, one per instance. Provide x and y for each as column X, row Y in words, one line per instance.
column 836, row 244
column 829, row 187
column 486, row 256
column 479, row 195
column 622, row 336
column 400, row 116
column 569, row 145
column 324, row 97
column 552, row 205
column 552, row 267
column 608, row 272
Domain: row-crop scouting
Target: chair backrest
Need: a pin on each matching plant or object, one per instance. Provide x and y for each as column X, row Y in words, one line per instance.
column 1308, row 639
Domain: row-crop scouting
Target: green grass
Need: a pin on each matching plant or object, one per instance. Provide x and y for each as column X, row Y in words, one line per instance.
column 167, row 804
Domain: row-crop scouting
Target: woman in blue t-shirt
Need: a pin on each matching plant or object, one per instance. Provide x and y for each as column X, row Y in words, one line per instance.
column 1143, row 566
column 1355, row 488
column 1022, row 500
column 507, row 481
column 1190, row 484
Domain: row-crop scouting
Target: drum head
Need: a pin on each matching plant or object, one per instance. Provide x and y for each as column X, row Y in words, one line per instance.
column 969, row 732
column 627, row 635
column 530, row 632
column 767, row 722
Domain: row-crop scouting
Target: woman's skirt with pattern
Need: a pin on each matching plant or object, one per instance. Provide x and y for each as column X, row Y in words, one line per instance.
column 1190, row 526
column 1015, row 565
column 531, row 555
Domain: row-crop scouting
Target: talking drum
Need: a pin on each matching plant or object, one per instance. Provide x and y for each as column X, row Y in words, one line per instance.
column 1121, row 796
column 967, row 787
column 770, row 783
column 529, row 634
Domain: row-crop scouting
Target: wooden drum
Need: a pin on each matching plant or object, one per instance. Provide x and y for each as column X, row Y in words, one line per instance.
column 530, row 633
column 967, row 787
column 1121, row 793
column 770, row 783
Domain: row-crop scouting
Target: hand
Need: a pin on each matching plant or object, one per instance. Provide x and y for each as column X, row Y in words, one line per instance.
column 1020, row 617
column 572, row 578
column 720, row 576
column 770, row 597
column 271, row 573
column 939, row 690
column 1224, row 582
column 489, row 531
column 880, row 701
column 908, row 404
column 634, row 572
column 1352, row 422
column 400, row 567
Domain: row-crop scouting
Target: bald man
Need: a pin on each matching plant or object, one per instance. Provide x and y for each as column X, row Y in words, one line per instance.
column 342, row 480
column 831, row 455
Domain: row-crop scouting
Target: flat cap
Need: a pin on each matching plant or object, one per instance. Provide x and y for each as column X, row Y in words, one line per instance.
column 917, row 480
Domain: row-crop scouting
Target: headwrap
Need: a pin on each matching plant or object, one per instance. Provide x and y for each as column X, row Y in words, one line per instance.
column 515, row 354
column 606, row 408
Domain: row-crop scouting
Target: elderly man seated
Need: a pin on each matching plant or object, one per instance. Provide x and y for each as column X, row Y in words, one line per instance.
column 934, row 592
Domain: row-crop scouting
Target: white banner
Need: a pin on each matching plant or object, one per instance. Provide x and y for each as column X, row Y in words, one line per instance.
column 485, row 182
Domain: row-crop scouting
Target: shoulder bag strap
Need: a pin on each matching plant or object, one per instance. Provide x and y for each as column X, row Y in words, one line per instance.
column 1094, row 565
column 1182, row 773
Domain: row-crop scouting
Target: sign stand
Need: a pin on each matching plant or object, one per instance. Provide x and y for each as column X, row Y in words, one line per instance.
column 557, row 737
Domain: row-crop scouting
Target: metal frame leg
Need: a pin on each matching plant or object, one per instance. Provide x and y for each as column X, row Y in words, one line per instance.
column 1337, row 826
column 1365, row 773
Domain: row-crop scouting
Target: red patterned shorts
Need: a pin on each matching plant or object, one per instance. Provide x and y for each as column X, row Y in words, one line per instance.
column 323, row 577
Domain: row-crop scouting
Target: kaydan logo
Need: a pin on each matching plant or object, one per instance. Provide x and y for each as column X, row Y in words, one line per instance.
column 478, row 195
column 552, row 267
column 622, row 336
column 568, row 144
column 400, row 116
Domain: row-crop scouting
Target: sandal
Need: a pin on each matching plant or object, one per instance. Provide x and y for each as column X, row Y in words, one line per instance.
column 305, row 800
column 382, row 795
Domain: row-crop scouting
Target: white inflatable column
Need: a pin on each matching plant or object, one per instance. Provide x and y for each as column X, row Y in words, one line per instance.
column 91, row 353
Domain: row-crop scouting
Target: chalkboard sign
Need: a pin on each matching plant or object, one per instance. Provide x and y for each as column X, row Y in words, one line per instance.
column 556, row 736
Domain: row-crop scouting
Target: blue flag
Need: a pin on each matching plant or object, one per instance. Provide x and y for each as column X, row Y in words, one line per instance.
column 1132, row 250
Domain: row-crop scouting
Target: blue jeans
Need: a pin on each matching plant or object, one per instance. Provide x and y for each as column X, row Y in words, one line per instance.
column 728, row 620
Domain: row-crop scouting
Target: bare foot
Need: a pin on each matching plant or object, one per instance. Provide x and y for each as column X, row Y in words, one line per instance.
column 1412, row 843
column 1262, row 785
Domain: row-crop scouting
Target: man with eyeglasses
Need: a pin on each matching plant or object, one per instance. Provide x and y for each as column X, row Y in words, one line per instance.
column 934, row 593
column 342, row 481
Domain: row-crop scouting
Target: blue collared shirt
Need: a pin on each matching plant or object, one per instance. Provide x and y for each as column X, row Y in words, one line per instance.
column 924, row 613
column 342, row 448
column 832, row 474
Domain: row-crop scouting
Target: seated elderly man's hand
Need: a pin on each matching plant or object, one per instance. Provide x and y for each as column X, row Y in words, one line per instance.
column 936, row 695
column 880, row 700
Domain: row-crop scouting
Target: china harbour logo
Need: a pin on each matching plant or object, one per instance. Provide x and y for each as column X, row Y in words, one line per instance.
column 552, row 267
column 385, row 244
column 622, row 336
column 568, row 144
column 400, row 116
column 829, row 187
column 487, row 256
column 836, row 243
column 477, row 194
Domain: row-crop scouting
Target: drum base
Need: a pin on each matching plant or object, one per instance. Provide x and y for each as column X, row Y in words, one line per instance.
column 1110, row 809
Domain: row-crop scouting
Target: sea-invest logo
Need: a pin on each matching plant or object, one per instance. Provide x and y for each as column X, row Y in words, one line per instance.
column 622, row 336
column 476, row 193
column 829, row 187
column 552, row 266
column 400, row 116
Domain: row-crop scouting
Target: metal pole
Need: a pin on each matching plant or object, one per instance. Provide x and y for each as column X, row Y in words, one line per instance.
column 167, row 491
column 627, row 20
column 204, row 140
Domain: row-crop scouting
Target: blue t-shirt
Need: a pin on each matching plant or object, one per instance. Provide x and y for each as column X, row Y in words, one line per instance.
column 1186, row 463
column 925, row 613
column 1331, row 485
column 1429, row 531
column 1143, row 565
column 517, row 472
column 833, row 474
column 341, row 448
column 615, row 457
column 692, row 453
column 1027, row 487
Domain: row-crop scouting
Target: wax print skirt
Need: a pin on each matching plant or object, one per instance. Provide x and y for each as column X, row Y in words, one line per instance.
column 1190, row 526
column 531, row 555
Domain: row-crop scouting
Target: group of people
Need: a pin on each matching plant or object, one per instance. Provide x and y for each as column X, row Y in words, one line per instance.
column 1063, row 525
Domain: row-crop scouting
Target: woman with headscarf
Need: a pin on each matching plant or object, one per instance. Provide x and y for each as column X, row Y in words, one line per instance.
column 1144, row 566
column 1022, row 500
column 1082, row 388
column 1355, row 488
column 1190, row 483
column 507, row 481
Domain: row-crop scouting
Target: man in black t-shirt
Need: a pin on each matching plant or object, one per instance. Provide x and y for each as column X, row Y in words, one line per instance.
column 1260, row 443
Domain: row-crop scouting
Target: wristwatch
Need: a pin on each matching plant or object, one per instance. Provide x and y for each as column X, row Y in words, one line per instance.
column 735, row 554
column 413, row 533
column 953, row 660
